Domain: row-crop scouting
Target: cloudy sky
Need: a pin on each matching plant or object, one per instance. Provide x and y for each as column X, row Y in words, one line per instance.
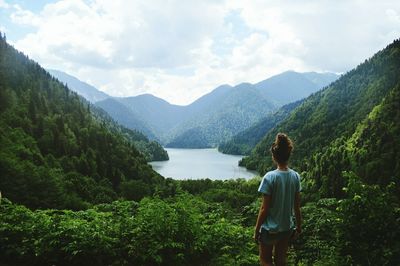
column 180, row 50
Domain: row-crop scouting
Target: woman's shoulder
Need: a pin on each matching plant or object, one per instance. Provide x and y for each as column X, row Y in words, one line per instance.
column 270, row 173
column 294, row 173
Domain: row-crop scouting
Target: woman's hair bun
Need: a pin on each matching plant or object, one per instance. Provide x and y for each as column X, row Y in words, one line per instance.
column 282, row 148
column 282, row 139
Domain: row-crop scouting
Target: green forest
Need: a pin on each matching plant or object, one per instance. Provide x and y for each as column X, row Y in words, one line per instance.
column 244, row 142
column 76, row 189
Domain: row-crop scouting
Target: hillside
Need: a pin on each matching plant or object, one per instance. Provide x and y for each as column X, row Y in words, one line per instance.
column 245, row 141
column 54, row 151
column 163, row 117
column 239, row 108
column 135, row 129
column 124, row 116
column 334, row 112
column 157, row 113
column 87, row 91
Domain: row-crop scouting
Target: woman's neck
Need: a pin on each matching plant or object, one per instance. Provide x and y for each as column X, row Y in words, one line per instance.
column 283, row 167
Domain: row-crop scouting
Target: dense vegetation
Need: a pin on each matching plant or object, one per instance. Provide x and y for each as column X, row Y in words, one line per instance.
column 57, row 157
column 56, row 152
column 245, row 141
column 211, row 226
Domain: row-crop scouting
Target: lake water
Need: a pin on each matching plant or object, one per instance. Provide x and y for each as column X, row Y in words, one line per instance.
column 201, row 163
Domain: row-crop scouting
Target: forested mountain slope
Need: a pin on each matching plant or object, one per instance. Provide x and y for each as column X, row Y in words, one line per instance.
column 239, row 108
column 125, row 116
column 152, row 150
column 89, row 92
column 372, row 151
column 245, row 141
column 136, row 130
column 334, row 112
column 54, row 152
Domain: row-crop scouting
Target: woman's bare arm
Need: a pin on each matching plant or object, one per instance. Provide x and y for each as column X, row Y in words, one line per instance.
column 262, row 214
column 297, row 212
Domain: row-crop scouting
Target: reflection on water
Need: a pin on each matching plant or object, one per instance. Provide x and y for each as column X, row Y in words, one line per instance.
column 201, row 163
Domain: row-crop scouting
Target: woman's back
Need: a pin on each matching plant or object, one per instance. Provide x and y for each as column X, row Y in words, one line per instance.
column 282, row 186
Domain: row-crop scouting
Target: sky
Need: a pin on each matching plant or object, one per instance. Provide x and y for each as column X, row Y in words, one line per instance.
column 181, row 50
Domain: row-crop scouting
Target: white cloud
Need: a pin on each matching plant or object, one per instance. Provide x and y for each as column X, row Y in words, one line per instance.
column 4, row 5
column 334, row 35
column 25, row 17
column 180, row 50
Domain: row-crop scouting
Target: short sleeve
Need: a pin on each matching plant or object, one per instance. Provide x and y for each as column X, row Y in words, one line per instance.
column 265, row 185
column 298, row 183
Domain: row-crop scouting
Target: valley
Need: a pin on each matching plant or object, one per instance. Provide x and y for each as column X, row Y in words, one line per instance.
column 213, row 118
column 77, row 187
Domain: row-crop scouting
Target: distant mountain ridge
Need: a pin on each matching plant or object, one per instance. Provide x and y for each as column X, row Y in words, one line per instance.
column 237, row 109
column 89, row 92
column 215, row 117
column 291, row 86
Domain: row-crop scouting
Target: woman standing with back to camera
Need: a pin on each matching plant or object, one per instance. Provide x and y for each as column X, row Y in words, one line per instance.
column 281, row 198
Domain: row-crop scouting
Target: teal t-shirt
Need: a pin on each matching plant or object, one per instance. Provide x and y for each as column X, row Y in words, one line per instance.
column 282, row 186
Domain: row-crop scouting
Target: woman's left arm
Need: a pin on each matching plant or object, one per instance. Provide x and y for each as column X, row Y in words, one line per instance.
column 262, row 214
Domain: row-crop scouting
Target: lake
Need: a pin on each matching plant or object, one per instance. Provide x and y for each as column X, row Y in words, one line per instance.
column 201, row 163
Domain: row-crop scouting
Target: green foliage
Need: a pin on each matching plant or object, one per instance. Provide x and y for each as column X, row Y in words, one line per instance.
column 55, row 151
column 370, row 217
column 320, row 242
column 179, row 231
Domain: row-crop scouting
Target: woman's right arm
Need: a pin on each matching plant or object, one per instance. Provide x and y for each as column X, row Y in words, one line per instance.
column 262, row 215
column 297, row 212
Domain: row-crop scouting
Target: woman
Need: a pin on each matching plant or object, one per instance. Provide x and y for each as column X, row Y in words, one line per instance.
column 281, row 197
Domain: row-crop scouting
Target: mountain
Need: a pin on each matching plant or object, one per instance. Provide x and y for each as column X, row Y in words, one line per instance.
column 220, row 114
column 55, row 151
column 321, row 79
column 334, row 114
column 291, row 86
column 150, row 149
column 237, row 109
column 89, row 92
column 125, row 116
column 158, row 113
column 245, row 141
column 163, row 116
column 173, row 124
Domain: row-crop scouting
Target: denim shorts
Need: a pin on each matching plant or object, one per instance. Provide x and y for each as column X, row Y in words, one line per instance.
column 270, row 238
